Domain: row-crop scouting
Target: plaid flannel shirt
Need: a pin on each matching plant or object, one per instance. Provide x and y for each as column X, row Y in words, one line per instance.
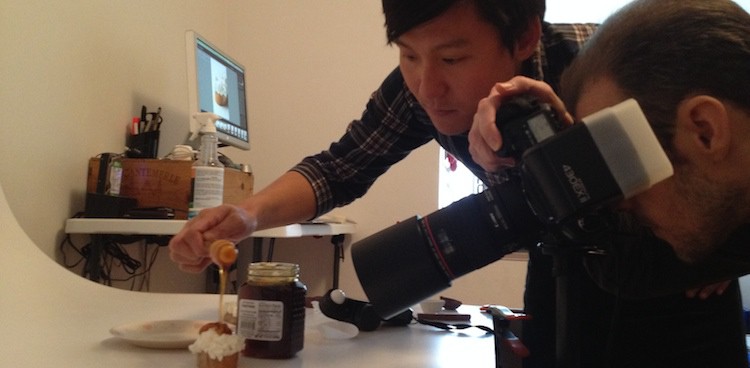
column 394, row 124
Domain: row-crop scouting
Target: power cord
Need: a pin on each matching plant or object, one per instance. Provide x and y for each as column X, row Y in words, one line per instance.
column 118, row 256
column 68, row 242
column 114, row 257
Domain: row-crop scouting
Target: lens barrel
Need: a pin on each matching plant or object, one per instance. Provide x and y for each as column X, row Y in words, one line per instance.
column 397, row 268
column 416, row 258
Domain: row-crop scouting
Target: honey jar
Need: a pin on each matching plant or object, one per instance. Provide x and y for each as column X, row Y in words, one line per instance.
column 271, row 310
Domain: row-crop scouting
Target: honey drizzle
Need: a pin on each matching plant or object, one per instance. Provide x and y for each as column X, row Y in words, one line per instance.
column 222, row 289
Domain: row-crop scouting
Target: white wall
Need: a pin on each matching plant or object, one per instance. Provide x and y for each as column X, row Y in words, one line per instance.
column 73, row 73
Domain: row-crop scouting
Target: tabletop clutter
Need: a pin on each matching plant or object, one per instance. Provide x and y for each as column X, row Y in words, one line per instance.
column 267, row 321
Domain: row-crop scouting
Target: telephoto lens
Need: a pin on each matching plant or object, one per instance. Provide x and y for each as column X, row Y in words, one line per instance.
column 418, row 257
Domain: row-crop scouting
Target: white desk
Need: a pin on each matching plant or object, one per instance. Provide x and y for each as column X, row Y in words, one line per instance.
column 98, row 227
column 54, row 318
column 171, row 227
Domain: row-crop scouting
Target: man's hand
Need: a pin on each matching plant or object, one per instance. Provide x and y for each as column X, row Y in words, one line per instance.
column 705, row 291
column 484, row 137
column 190, row 247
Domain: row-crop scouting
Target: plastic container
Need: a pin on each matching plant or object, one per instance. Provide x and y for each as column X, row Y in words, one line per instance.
column 207, row 177
column 115, row 176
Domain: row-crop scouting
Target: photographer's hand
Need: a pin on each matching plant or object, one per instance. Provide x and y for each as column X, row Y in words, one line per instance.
column 706, row 291
column 484, row 137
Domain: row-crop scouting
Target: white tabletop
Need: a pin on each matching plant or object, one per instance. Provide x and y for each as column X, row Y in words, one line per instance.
column 53, row 318
column 171, row 227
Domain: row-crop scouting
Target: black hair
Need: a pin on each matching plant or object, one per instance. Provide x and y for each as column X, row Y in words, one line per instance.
column 662, row 51
column 510, row 17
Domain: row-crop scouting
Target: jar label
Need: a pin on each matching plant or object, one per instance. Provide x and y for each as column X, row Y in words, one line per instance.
column 207, row 189
column 260, row 319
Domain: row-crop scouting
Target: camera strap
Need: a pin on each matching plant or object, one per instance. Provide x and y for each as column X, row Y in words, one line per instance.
column 500, row 331
column 452, row 326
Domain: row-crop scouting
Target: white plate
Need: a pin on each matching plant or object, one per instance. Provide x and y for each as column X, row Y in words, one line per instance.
column 169, row 334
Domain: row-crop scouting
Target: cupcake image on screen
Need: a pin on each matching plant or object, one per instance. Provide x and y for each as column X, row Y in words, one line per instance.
column 220, row 91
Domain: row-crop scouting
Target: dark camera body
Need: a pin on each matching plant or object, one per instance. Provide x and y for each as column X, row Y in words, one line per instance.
column 523, row 122
column 564, row 178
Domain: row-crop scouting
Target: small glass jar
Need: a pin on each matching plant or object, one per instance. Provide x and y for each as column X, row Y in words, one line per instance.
column 271, row 310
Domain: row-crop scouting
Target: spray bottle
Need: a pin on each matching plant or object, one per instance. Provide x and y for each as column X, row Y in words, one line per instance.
column 207, row 176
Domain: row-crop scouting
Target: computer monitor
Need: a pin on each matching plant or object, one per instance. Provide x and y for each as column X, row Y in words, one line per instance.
column 216, row 83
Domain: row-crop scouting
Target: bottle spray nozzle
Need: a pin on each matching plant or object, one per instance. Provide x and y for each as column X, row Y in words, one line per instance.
column 203, row 122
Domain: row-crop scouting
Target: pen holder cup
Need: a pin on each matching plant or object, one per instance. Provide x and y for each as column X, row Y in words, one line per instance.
column 143, row 145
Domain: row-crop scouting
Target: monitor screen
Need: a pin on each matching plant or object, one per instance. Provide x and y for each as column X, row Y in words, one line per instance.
column 216, row 83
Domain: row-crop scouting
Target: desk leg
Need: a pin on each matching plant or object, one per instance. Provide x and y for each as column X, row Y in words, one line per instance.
column 338, row 256
column 93, row 260
column 257, row 249
column 271, row 244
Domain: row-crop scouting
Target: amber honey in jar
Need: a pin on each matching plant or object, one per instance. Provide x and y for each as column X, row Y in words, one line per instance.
column 271, row 310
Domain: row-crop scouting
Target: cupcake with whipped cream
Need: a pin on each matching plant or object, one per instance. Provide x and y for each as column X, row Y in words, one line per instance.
column 217, row 346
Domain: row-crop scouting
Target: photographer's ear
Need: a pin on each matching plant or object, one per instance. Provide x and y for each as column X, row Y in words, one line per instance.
column 703, row 128
column 528, row 42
